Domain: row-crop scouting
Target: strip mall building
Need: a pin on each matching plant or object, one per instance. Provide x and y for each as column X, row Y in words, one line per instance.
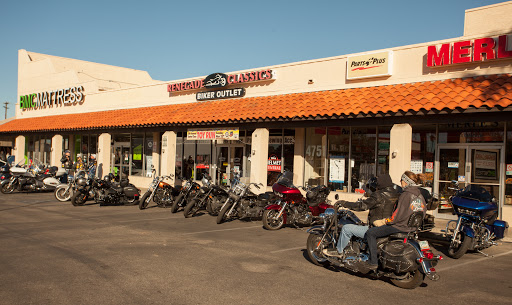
column 442, row 108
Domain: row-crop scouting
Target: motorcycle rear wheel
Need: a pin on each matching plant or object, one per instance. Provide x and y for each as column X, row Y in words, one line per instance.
column 191, row 208
column 144, row 201
column 78, row 199
column 315, row 255
column 177, row 202
column 456, row 249
column 270, row 222
column 411, row 282
column 6, row 189
column 61, row 194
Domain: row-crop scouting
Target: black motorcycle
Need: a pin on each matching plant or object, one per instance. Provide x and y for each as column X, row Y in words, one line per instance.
column 187, row 192
column 207, row 198
column 242, row 203
column 161, row 192
column 403, row 258
column 105, row 192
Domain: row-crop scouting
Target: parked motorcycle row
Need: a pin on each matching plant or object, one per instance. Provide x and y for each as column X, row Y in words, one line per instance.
column 403, row 257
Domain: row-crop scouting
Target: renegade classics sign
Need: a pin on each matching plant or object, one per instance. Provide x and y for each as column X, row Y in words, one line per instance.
column 219, row 80
column 61, row 97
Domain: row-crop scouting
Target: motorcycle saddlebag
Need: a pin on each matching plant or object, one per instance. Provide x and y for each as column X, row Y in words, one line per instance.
column 131, row 191
column 398, row 256
column 498, row 228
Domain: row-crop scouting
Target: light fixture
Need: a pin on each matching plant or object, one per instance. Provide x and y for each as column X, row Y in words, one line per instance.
column 394, row 153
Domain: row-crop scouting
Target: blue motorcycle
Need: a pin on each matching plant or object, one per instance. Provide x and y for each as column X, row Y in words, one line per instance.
column 477, row 226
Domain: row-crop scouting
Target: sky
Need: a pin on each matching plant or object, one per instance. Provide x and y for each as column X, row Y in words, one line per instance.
column 173, row 40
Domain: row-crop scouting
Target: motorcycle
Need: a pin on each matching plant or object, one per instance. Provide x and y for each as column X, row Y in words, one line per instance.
column 187, row 192
column 105, row 191
column 477, row 226
column 242, row 203
column 64, row 191
column 291, row 207
column 34, row 178
column 160, row 192
column 207, row 198
column 5, row 168
column 404, row 259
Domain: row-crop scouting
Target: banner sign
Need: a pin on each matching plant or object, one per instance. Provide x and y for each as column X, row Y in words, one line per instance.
column 274, row 164
column 370, row 65
column 213, row 134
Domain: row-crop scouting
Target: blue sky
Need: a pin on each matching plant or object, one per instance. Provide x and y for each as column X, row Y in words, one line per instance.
column 180, row 39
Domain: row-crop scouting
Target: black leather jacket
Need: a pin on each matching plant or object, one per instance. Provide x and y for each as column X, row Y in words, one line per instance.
column 380, row 203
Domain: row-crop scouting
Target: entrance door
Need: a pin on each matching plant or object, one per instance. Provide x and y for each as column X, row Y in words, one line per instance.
column 121, row 159
column 477, row 164
column 229, row 162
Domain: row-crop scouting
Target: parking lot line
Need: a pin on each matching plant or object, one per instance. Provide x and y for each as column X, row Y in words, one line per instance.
column 230, row 229
column 289, row 249
column 474, row 261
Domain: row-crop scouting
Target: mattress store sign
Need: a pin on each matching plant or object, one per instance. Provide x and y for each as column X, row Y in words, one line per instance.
column 469, row 51
column 370, row 65
column 69, row 96
column 213, row 134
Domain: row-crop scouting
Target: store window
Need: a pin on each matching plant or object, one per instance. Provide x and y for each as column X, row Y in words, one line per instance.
column 280, row 153
column 203, row 158
column 473, row 132
column 423, row 150
column 178, row 171
column 38, row 148
column 137, row 153
column 363, row 157
column 315, row 156
column 339, row 156
column 383, row 143
column 508, row 164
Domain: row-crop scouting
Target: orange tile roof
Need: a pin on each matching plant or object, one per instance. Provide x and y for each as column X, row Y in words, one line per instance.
column 463, row 93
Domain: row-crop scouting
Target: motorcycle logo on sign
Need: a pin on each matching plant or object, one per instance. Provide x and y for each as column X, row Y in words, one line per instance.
column 216, row 80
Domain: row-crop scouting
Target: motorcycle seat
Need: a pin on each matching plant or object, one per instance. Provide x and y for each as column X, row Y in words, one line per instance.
column 399, row 235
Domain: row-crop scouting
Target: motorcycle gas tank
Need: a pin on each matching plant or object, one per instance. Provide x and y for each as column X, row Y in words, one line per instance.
column 291, row 193
column 486, row 209
column 50, row 181
column 163, row 185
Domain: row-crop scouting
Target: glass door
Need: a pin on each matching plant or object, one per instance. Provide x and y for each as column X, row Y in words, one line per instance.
column 121, row 159
column 230, row 161
column 476, row 164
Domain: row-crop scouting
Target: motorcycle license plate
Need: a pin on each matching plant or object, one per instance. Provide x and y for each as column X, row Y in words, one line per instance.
column 424, row 245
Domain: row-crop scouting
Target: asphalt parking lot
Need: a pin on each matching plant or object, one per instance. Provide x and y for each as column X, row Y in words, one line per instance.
column 54, row 253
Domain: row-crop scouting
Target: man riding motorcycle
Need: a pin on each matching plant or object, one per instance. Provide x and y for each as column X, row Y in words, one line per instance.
column 380, row 205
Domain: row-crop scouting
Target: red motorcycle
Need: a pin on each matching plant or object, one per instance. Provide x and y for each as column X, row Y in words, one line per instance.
column 291, row 207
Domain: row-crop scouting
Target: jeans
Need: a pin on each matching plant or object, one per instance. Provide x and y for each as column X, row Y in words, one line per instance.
column 371, row 237
column 346, row 234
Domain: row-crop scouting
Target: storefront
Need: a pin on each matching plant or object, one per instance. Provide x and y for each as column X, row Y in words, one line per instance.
column 439, row 108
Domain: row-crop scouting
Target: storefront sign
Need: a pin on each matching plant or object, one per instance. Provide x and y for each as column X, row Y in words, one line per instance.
column 279, row 140
column 485, row 165
column 468, row 51
column 218, row 80
column 337, row 169
column 220, row 94
column 213, row 134
column 370, row 65
column 453, row 164
column 274, row 164
column 68, row 96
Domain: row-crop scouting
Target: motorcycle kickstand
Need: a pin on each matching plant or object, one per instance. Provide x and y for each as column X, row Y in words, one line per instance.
column 485, row 254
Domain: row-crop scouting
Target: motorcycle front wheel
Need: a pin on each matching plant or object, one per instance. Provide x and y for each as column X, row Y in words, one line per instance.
column 270, row 220
column 78, row 199
column 191, row 208
column 177, row 202
column 222, row 214
column 411, row 282
column 144, row 201
column 460, row 245
column 6, row 189
column 315, row 255
column 61, row 194
column 215, row 204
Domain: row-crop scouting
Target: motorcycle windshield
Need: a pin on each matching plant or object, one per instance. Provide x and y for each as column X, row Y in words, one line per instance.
column 286, row 179
column 476, row 192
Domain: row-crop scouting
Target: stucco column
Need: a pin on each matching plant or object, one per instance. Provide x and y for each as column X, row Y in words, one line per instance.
column 104, row 154
column 259, row 156
column 19, row 149
column 156, row 152
column 168, row 154
column 56, row 153
column 298, row 156
column 400, row 151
